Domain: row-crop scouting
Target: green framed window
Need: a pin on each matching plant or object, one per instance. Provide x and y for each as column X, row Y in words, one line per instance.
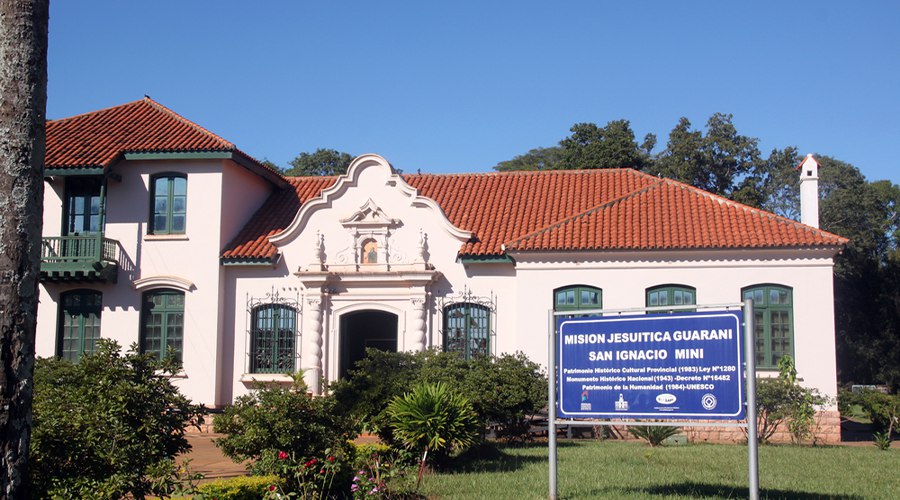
column 273, row 339
column 773, row 314
column 169, row 199
column 79, row 323
column 576, row 298
column 671, row 295
column 162, row 323
column 467, row 329
column 82, row 206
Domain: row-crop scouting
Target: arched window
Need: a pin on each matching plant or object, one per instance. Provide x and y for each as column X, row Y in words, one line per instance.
column 273, row 336
column 671, row 295
column 577, row 297
column 773, row 314
column 369, row 252
column 467, row 329
column 169, row 204
column 162, row 323
column 79, row 323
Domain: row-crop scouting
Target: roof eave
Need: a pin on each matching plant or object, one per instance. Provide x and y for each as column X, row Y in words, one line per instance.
column 249, row 261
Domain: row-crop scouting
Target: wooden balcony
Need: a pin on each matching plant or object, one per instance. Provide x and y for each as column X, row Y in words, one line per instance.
column 79, row 259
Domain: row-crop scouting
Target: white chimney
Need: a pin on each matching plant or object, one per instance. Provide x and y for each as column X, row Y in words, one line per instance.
column 809, row 191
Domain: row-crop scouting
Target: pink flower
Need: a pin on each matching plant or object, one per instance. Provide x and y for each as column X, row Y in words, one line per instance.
column 331, row 459
column 354, row 488
column 271, row 487
column 282, row 455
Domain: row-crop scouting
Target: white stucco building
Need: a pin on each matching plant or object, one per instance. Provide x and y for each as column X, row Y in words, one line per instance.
column 160, row 233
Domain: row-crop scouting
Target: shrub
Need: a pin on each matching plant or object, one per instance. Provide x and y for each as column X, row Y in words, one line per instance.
column 432, row 417
column 883, row 409
column 653, row 434
column 782, row 401
column 238, row 488
column 374, row 381
column 276, row 420
column 106, row 426
column 503, row 390
column 382, row 472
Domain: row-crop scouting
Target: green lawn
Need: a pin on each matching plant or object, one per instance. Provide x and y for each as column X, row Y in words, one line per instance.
column 633, row 470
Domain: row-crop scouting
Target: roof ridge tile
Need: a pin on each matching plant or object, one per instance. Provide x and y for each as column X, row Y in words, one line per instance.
column 186, row 121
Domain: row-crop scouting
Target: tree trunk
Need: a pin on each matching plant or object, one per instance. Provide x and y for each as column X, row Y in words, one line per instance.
column 23, row 100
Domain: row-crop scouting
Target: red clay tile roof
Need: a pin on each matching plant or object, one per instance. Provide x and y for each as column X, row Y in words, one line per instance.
column 252, row 243
column 100, row 138
column 612, row 209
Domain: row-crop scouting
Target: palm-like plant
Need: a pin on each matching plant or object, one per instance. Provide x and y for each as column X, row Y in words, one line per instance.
column 653, row 434
column 432, row 417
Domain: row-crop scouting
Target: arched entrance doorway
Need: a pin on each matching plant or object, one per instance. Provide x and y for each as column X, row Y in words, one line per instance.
column 362, row 329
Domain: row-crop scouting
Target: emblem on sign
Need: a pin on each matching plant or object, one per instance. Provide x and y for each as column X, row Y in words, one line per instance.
column 666, row 399
column 708, row 401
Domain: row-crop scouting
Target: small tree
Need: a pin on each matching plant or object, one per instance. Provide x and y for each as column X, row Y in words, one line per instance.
column 105, row 426
column 782, row 401
column 434, row 418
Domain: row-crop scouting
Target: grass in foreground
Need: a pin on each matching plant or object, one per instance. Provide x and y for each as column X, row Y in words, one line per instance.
column 633, row 470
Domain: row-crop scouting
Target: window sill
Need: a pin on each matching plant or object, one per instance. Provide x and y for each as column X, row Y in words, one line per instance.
column 248, row 378
column 166, row 237
column 178, row 374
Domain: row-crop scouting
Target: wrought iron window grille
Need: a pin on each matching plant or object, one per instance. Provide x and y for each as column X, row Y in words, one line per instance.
column 273, row 332
column 463, row 323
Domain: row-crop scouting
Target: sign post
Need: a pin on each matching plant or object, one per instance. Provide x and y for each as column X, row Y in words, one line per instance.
column 680, row 366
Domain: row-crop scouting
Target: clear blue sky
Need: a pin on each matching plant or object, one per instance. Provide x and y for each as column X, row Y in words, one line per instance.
column 459, row 86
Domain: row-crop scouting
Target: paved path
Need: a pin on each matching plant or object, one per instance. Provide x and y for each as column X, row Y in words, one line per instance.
column 207, row 459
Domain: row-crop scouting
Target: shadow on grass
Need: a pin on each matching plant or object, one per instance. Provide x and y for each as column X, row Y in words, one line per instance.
column 707, row 490
column 491, row 457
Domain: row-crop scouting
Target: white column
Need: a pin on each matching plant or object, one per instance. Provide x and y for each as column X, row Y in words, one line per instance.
column 417, row 324
column 311, row 355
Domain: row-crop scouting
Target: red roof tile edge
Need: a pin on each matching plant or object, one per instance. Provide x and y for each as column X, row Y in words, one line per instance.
column 839, row 241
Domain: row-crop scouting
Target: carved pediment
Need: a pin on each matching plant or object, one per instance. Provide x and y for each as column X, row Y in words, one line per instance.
column 370, row 215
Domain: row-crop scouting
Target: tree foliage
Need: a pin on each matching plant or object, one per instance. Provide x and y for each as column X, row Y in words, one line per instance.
column 320, row 162
column 105, row 425
column 612, row 146
column 867, row 271
column 589, row 146
column 536, row 159
column 715, row 161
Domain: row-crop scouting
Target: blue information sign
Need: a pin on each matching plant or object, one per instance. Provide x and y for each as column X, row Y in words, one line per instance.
column 662, row 366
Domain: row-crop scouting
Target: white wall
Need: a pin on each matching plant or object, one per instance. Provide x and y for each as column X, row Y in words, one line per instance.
column 189, row 261
column 718, row 277
column 523, row 292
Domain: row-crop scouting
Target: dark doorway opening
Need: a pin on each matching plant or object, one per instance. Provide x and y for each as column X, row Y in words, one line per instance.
column 362, row 329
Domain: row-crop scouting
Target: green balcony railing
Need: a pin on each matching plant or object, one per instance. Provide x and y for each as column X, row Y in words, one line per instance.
column 79, row 258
